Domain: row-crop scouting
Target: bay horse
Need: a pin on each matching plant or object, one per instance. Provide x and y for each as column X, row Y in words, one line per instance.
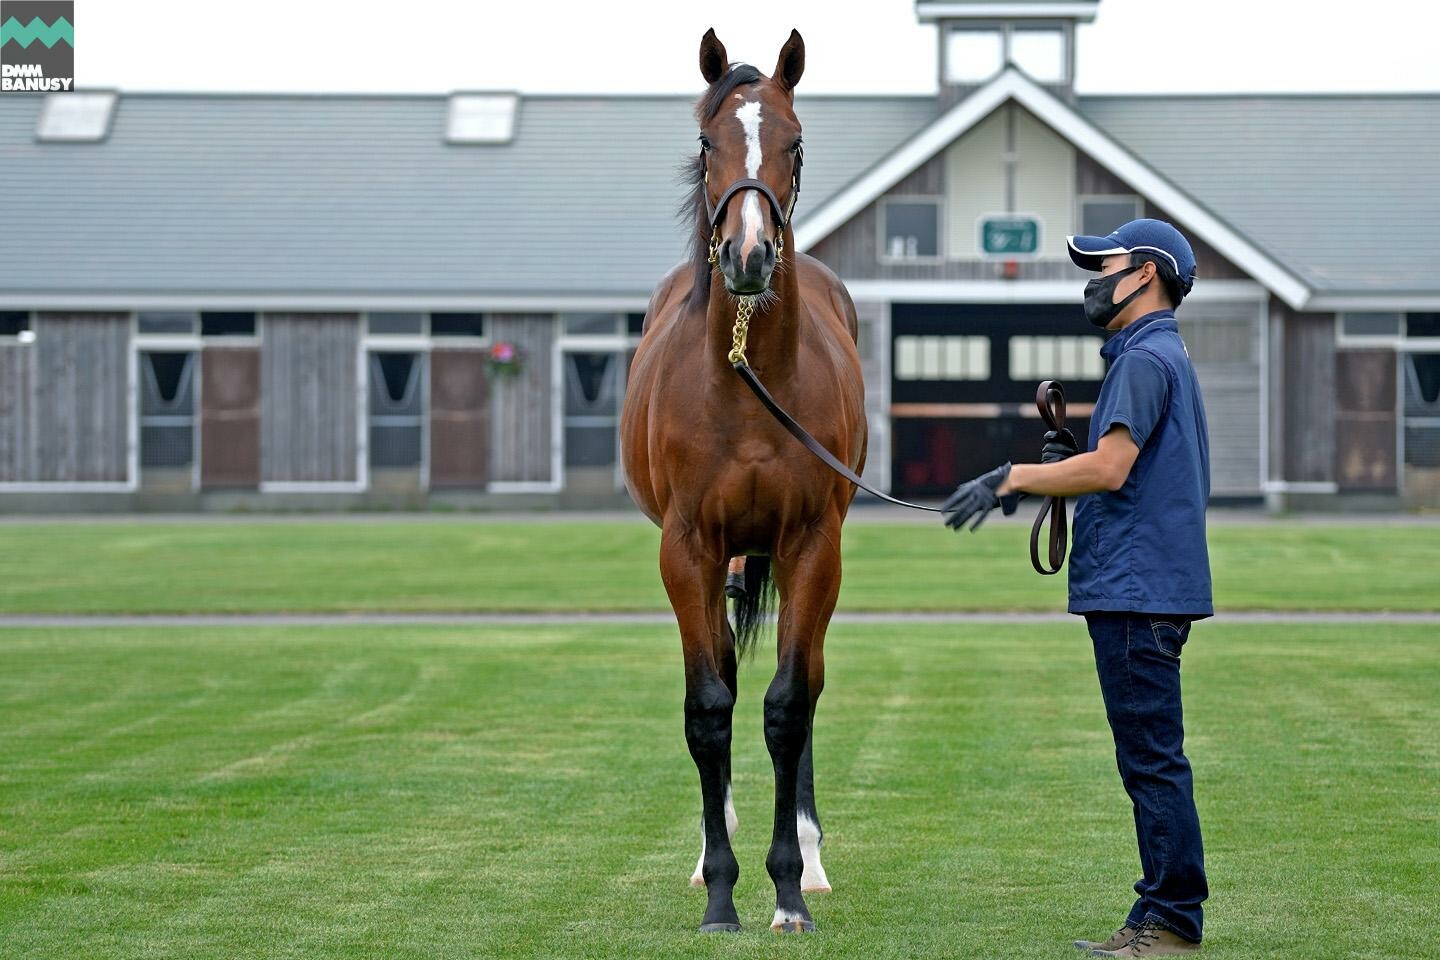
column 707, row 464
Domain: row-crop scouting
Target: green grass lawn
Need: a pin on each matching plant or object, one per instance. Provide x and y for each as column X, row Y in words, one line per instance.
column 593, row 565
column 435, row 793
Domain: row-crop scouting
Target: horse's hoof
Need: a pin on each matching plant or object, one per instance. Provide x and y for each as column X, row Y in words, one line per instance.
column 698, row 882
column 719, row 928
column 816, row 888
column 793, row 926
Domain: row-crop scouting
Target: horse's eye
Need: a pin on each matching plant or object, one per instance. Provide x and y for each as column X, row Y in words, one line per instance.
column 704, row 142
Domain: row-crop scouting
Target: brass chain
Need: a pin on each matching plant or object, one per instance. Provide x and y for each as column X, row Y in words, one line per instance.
column 743, row 310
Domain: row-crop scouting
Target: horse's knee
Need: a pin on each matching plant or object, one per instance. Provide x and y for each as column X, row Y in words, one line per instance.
column 708, row 710
column 787, row 718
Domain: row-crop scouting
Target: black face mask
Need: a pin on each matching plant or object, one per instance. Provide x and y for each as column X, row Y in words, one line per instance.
column 1099, row 294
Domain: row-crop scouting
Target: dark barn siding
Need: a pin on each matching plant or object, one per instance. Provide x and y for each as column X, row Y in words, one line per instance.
column 310, row 398
column 65, row 401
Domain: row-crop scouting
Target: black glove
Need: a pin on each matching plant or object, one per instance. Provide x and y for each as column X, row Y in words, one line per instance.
column 978, row 497
column 1059, row 445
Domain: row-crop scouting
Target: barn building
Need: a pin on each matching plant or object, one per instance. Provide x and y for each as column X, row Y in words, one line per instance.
column 297, row 301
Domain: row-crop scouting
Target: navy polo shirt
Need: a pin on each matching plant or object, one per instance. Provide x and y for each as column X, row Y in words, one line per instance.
column 1141, row 549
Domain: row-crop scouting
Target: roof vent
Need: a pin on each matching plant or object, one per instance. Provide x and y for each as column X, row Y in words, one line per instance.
column 482, row 117
column 76, row 117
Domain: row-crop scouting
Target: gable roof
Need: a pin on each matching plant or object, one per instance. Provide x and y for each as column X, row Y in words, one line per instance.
column 353, row 196
column 340, row 200
column 1104, row 149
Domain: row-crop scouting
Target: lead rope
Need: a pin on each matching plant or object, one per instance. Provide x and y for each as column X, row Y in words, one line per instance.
column 1050, row 399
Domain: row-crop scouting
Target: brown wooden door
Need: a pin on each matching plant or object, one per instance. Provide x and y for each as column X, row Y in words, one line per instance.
column 1365, row 428
column 230, row 418
column 459, row 419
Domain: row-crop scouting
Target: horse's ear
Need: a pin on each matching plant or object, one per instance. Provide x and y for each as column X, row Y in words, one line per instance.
column 791, row 63
column 713, row 61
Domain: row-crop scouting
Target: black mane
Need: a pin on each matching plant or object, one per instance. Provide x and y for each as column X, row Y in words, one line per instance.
column 692, row 174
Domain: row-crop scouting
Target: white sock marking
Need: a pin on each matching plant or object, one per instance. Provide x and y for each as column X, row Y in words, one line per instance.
column 732, row 823
column 813, row 880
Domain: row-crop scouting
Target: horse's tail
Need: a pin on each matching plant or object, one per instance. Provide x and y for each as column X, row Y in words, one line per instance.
column 754, row 607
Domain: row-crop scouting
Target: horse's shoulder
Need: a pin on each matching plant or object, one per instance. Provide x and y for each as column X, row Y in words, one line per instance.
column 827, row 290
column 672, row 288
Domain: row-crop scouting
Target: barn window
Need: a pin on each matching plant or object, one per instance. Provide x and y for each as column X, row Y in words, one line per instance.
column 942, row 358
column 482, row 118
column 14, row 322
column 1043, row 358
column 167, row 322
column 1422, row 325
column 397, row 408
column 457, row 324
column 911, row 229
column 1100, row 216
column 1040, row 52
column 76, row 117
column 973, row 56
column 1386, row 325
column 395, row 324
column 221, row 323
column 167, row 408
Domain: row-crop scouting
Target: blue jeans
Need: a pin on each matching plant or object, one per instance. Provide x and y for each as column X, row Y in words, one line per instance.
column 1138, row 659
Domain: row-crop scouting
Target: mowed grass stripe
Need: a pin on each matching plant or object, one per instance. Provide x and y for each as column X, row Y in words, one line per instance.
column 439, row 792
column 612, row 566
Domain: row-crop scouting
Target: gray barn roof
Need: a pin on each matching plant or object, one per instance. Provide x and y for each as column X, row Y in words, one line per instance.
column 361, row 194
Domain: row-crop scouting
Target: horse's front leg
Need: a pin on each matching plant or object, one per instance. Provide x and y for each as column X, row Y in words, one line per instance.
column 808, row 576
column 725, row 657
column 694, row 584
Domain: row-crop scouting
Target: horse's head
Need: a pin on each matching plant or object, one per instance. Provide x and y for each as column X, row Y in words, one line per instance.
column 750, row 160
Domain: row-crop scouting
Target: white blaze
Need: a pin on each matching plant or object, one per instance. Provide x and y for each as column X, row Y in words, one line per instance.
column 751, row 217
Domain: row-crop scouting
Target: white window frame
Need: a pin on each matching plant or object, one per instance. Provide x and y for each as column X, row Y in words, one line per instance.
column 1005, row 29
column 173, row 343
column 1401, row 341
column 938, row 202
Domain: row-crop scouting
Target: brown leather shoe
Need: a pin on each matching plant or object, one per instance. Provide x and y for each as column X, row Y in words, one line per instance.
column 1117, row 940
column 1151, row 940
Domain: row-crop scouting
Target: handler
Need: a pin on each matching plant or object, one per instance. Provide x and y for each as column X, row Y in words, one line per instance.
column 1139, row 569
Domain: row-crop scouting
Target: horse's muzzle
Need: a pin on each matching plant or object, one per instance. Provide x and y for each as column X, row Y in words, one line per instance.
column 751, row 275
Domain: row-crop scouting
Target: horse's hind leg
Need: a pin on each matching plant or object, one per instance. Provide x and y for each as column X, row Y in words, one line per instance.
column 807, row 822
column 725, row 657
column 694, row 585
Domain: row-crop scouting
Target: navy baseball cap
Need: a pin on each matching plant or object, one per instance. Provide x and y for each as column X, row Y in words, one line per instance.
column 1137, row 236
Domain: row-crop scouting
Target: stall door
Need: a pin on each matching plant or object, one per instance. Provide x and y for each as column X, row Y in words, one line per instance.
column 459, row 420
column 230, row 417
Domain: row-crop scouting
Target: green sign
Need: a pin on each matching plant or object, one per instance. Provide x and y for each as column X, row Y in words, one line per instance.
column 1009, row 236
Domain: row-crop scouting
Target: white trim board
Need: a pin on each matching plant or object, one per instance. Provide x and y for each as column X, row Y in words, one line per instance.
column 1382, row 303
column 1081, row 10
column 1014, row 85
column 338, row 302
column 1042, row 291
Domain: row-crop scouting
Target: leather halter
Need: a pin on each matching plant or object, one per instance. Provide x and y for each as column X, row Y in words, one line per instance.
column 716, row 210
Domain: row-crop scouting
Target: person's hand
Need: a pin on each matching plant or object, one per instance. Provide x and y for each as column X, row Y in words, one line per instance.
column 979, row 496
column 1059, row 445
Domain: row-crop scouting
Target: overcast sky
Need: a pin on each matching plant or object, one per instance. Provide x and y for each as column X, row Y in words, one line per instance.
column 650, row 46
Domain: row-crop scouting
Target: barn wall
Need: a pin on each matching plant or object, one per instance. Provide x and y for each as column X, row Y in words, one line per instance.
column 310, row 395
column 65, row 401
column 522, row 433
column 1305, row 444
